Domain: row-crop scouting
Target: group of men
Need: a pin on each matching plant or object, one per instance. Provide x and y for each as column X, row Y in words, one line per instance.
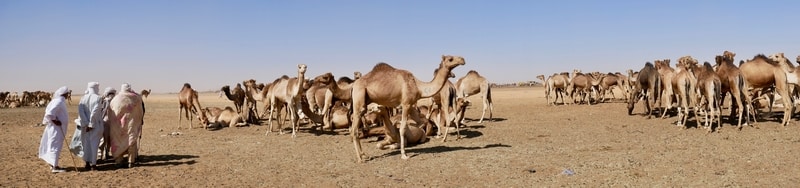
column 90, row 129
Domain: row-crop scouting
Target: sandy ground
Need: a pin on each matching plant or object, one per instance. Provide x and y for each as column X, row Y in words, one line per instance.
column 529, row 144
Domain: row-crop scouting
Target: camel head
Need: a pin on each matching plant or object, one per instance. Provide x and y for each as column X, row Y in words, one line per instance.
column 728, row 54
column 251, row 83
column 450, row 62
column 203, row 117
column 540, row 77
column 356, row 75
column 326, row 78
column 778, row 57
column 686, row 62
column 301, row 68
column 798, row 59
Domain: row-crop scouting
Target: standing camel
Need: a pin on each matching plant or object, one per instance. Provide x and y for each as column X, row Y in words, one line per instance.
column 762, row 72
column 289, row 92
column 145, row 93
column 237, row 96
column 648, row 83
column 391, row 87
column 189, row 103
column 732, row 83
column 471, row 84
column 444, row 102
column 125, row 117
column 709, row 86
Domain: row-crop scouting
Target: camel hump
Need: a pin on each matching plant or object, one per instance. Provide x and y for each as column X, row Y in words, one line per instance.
column 708, row 66
column 473, row 72
column 187, row 85
column 765, row 59
column 648, row 64
column 229, row 108
column 344, row 79
column 382, row 67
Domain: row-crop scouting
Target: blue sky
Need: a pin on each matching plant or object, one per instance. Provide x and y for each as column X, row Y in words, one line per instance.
column 162, row 44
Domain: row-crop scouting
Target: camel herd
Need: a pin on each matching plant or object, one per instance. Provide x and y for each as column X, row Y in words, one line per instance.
column 690, row 87
column 27, row 98
column 386, row 101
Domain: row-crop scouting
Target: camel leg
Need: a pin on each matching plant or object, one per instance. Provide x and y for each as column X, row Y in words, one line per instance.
column 271, row 111
column 294, row 117
column 403, row 127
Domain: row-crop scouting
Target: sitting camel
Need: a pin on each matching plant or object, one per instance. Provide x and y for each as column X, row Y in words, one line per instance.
column 237, row 96
column 414, row 134
column 473, row 83
column 188, row 103
column 391, row 87
column 762, row 72
column 648, row 84
column 218, row 117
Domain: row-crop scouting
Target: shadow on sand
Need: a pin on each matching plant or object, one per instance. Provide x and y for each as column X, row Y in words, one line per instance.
column 441, row 149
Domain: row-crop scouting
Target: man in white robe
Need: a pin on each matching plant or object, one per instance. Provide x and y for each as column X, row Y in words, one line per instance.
column 56, row 120
column 108, row 94
column 90, row 110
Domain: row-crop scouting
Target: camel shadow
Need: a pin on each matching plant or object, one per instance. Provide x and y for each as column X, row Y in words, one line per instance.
column 441, row 149
column 466, row 133
column 150, row 160
column 487, row 119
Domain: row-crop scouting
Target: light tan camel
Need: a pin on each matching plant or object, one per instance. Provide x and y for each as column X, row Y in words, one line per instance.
column 581, row 84
column 709, row 86
column 732, row 83
column 265, row 96
column 762, row 72
column 125, row 115
column 391, row 87
column 237, row 96
column 556, row 85
column 189, row 103
column 683, row 87
column 415, row 133
column 315, row 92
column 145, row 93
column 252, row 95
column 473, row 83
column 607, row 84
column 288, row 92
column 648, row 86
column 217, row 117
column 443, row 102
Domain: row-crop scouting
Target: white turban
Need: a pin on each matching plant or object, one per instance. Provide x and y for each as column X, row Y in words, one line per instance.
column 92, row 87
column 61, row 91
column 109, row 90
column 126, row 87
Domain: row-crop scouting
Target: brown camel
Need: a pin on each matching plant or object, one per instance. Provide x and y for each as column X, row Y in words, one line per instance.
column 415, row 133
column 473, row 83
column 607, row 84
column 252, row 94
column 762, row 72
column 556, row 85
column 624, row 84
column 266, row 98
column 145, row 93
column 581, row 84
column 218, row 117
column 288, row 92
column 237, row 96
column 188, row 102
column 732, row 83
column 709, row 86
column 648, row 84
column 315, row 92
column 391, row 87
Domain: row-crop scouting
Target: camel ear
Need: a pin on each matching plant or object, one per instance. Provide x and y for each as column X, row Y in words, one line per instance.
column 444, row 57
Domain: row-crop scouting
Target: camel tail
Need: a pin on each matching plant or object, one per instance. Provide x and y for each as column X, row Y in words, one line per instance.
column 489, row 94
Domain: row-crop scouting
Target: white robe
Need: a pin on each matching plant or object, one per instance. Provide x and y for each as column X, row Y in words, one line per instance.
column 90, row 110
column 53, row 136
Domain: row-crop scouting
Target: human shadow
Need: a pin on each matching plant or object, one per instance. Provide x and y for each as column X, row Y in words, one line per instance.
column 442, row 149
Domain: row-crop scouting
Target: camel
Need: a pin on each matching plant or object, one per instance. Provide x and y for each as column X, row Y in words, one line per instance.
column 188, row 103
column 145, row 93
column 391, row 87
column 473, row 83
column 556, row 85
column 762, row 72
column 709, row 86
column 125, row 114
column 443, row 102
column 237, row 96
column 608, row 81
column 218, row 117
column 266, row 98
column 251, row 91
column 339, row 91
column 414, row 135
column 648, row 83
column 582, row 85
column 683, row 86
column 732, row 83
column 288, row 92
